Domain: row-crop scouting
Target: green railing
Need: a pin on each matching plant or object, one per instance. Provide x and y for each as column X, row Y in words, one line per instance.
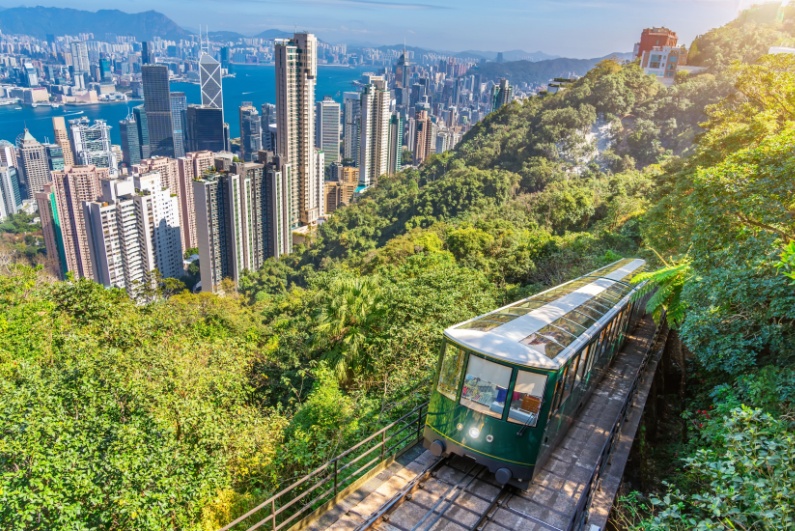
column 322, row 486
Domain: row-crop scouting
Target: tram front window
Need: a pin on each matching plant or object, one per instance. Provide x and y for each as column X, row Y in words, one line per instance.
column 486, row 386
column 450, row 371
column 526, row 400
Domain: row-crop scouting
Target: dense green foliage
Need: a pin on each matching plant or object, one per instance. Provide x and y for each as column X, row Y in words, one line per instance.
column 21, row 239
column 185, row 410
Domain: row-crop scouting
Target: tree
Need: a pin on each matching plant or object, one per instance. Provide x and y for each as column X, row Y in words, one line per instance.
column 350, row 315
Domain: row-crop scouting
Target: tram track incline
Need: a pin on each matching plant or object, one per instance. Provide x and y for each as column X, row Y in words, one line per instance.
column 452, row 493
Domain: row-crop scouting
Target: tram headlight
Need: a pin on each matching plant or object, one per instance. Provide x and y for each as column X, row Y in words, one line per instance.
column 474, row 432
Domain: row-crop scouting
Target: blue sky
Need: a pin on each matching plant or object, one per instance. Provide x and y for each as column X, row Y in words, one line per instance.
column 572, row 28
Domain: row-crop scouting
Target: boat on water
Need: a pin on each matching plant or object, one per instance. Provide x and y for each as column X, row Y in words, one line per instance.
column 75, row 113
column 34, row 105
column 17, row 108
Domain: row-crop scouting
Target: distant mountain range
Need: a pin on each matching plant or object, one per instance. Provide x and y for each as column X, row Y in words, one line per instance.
column 541, row 72
column 509, row 55
column 41, row 21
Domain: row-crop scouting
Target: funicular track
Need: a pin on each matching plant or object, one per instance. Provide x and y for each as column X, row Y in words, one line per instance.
column 457, row 494
column 452, row 493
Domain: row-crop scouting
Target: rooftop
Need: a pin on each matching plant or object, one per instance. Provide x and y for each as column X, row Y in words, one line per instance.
column 537, row 331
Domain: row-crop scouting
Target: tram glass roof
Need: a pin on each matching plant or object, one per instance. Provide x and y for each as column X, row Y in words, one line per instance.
column 536, row 331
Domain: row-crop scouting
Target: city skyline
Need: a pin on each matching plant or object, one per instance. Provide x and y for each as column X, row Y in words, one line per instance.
column 556, row 27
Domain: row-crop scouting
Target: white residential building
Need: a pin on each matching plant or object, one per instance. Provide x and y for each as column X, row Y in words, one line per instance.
column 296, row 75
column 374, row 139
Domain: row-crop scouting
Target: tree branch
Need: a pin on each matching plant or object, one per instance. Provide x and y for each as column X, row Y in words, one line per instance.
column 765, row 226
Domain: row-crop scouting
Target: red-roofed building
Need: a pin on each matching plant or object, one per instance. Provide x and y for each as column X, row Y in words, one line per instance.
column 655, row 38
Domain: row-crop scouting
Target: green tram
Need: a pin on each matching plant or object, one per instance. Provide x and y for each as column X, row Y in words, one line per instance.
column 511, row 382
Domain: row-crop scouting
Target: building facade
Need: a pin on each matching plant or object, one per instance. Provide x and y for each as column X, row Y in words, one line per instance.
column 211, row 84
column 62, row 139
column 72, row 187
column 240, row 220
column 652, row 38
column 10, row 194
column 35, row 166
column 374, row 139
column 191, row 167
column 179, row 106
column 157, row 104
column 130, row 141
column 327, row 137
column 205, row 129
column 92, row 146
column 250, row 132
column 296, row 75
column 351, row 102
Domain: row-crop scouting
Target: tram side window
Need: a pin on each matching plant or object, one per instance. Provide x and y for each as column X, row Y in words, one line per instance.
column 584, row 359
column 450, row 371
column 527, row 396
column 569, row 383
column 486, row 386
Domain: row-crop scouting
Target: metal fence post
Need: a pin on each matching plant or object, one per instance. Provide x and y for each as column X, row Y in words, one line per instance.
column 336, row 460
column 419, row 422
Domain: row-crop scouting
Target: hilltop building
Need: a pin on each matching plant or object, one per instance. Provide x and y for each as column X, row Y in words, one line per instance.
column 652, row 38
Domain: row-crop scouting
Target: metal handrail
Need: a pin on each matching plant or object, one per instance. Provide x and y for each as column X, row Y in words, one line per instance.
column 607, row 448
column 293, row 496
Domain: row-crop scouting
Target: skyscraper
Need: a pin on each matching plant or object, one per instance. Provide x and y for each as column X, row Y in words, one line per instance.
column 147, row 53
column 62, row 139
column 403, row 83
column 171, row 178
column 8, row 154
column 350, row 126
column 73, row 187
column 205, row 129
column 239, row 220
column 113, row 226
column 143, row 130
column 80, row 62
column 51, row 229
column 10, row 194
column 157, row 104
column 425, row 139
column 327, row 138
column 191, row 167
column 179, row 105
column 54, row 156
column 92, row 144
column 133, row 229
column 395, row 155
column 502, row 94
column 296, row 74
column 250, row 132
column 130, row 141
column 374, row 143
column 210, row 77
column 159, row 224
column 268, row 119
column 34, row 163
